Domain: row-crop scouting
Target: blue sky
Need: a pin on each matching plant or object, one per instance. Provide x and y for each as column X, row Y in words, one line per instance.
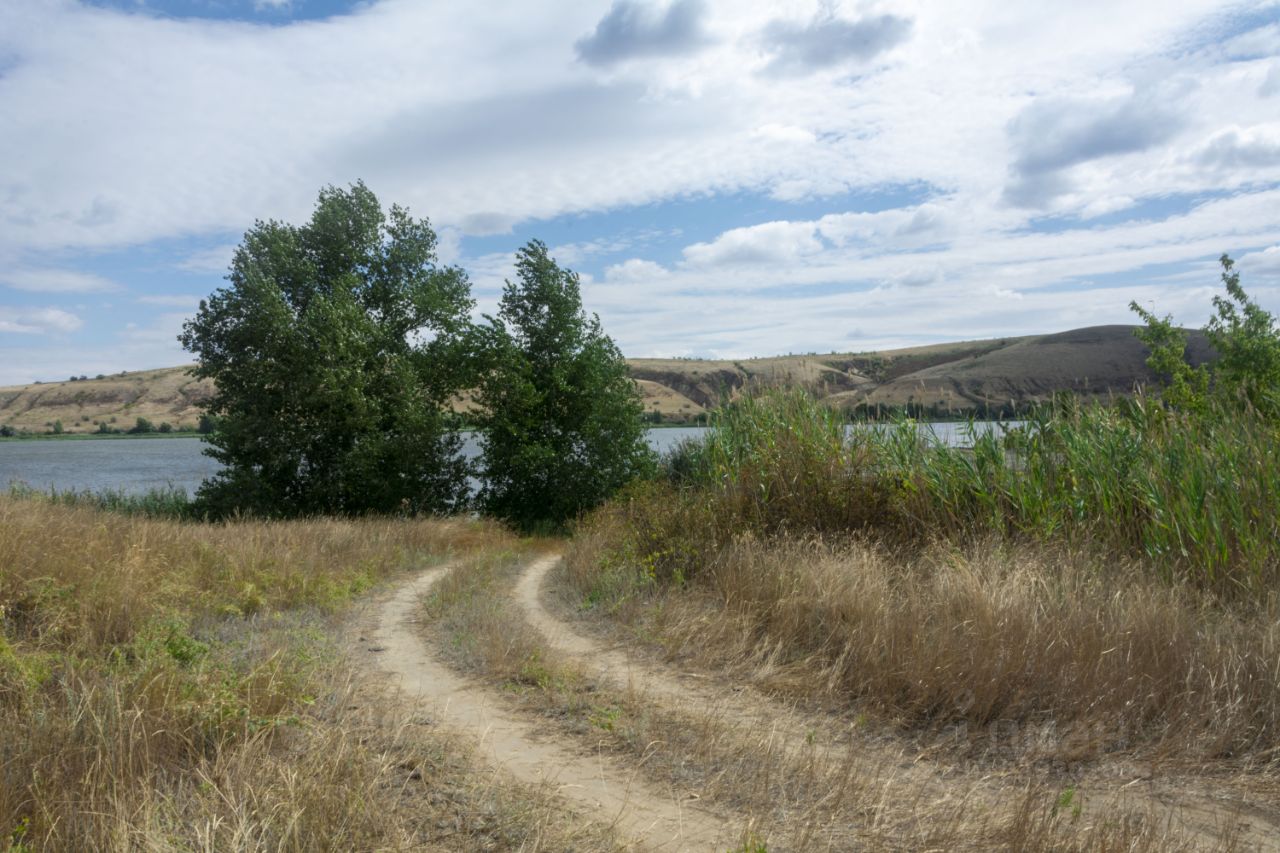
column 730, row 178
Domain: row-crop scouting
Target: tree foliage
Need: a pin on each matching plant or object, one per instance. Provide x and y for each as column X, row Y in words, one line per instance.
column 1246, row 340
column 561, row 418
column 334, row 350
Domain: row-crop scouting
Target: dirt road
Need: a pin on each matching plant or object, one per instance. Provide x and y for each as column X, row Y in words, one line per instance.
column 649, row 819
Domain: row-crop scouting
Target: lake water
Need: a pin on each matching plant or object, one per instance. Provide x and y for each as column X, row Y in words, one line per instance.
column 140, row 464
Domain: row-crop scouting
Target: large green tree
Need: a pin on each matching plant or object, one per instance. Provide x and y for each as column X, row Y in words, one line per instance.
column 335, row 349
column 561, row 423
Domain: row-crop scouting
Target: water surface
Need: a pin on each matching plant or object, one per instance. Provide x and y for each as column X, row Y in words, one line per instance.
column 138, row 465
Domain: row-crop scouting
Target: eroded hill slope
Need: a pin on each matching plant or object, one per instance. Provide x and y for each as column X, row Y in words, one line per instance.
column 968, row 377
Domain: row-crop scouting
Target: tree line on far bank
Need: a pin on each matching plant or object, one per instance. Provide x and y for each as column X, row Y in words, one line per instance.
column 338, row 347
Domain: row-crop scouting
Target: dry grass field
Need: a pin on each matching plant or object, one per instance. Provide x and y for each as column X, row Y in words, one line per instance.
column 173, row 686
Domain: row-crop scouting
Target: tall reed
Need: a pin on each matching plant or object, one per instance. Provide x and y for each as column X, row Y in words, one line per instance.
column 1196, row 495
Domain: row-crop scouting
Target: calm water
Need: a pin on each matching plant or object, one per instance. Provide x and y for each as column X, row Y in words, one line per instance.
column 140, row 464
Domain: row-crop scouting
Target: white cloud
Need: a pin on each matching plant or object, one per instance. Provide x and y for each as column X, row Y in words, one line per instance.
column 38, row 280
column 216, row 259
column 1264, row 264
column 37, row 321
column 484, row 119
column 635, row 271
column 769, row 242
column 1249, row 148
column 774, row 132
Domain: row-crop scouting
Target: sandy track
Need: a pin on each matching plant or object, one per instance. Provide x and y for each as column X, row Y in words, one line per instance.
column 647, row 817
column 744, row 705
column 1201, row 814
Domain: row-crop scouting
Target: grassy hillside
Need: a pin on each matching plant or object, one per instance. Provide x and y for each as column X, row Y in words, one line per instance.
column 954, row 378
column 168, row 395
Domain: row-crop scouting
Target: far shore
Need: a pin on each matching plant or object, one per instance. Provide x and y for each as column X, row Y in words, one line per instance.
column 87, row 436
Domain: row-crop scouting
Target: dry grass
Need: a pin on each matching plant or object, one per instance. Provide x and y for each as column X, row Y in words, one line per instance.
column 1079, row 659
column 812, row 794
column 180, row 686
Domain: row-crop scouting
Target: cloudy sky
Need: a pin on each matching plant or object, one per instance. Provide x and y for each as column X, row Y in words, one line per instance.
column 730, row 178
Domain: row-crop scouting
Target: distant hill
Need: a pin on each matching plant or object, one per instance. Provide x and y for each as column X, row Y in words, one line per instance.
column 955, row 379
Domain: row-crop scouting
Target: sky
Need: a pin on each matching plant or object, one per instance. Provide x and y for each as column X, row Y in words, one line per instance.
column 730, row 179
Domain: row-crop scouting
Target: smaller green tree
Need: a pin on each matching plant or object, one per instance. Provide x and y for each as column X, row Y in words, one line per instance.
column 1247, row 343
column 560, row 426
column 1185, row 387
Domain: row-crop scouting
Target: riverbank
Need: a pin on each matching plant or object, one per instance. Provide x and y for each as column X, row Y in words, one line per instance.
column 94, row 436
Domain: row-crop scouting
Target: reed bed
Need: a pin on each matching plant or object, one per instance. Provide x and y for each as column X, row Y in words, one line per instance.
column 1197, row 495
column 1102, row 569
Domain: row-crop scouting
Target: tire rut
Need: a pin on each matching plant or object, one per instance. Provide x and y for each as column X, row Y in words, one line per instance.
column 744, row 705
column 1203, row 815
column 649, row 819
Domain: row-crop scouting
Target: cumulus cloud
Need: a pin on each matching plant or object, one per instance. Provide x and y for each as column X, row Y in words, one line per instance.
column 1242, row 148
column 770, row 242
column 1051, row 135
column 635, row 271
column 828, row 40
column 37, row 321
column 632, row 29
column 39, row 280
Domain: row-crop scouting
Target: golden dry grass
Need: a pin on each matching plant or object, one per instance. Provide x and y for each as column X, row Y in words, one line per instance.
column 178, row 686
column 811, row 794
column 1083, row 658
